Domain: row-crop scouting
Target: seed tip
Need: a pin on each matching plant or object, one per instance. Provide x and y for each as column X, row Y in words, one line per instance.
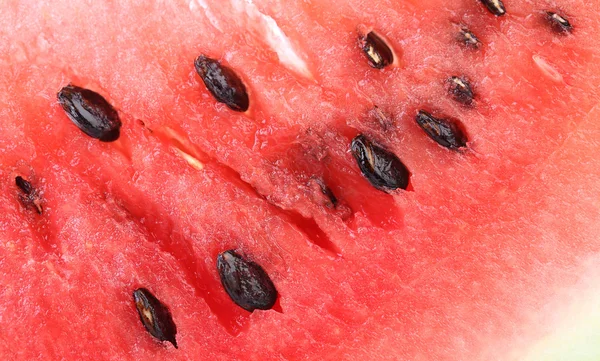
column 558, row 23
column 496, row 7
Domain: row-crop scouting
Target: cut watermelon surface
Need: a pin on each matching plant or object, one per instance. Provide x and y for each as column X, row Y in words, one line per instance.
column 491, row 252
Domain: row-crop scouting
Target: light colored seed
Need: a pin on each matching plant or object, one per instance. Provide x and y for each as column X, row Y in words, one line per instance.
column 194, row 162
column 181, row 145
column 547, row 69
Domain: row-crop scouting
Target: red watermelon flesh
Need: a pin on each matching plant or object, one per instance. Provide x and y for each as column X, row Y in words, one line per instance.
column 468, row 264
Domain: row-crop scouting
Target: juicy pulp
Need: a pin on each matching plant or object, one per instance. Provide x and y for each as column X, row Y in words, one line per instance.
column 469, row 264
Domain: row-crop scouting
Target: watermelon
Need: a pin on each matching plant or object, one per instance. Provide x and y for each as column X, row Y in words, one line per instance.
column 299, row 180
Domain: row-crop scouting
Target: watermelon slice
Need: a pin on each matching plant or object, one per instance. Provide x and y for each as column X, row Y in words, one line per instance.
column 418, row 180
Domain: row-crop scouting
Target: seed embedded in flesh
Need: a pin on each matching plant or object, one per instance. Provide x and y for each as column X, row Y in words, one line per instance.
column 496, row 7
column 461, row 90
column 380, row 167
column 558, row 23
column 446, row 133
column 323, row 193
column 93, row 114
column 155, row 316
column 223, row 83
column 376, row 50
column 468, row 39
column 246, row 282
column 30, row 196
column 24, row 185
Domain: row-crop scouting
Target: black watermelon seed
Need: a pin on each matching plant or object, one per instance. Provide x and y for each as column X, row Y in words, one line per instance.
column 376, row 50
column 380, row 167
column 496, row 7
column 90, row 112
column 24, row 185
column 246, row 282
column 155, row 316
column 468, row 39
column 223, row 83
column 30, row 197
column 558, row 23
column 461, row 90
column 444, row 132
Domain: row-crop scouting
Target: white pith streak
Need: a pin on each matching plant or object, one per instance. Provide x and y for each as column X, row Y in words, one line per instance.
column 547, row 69
column 209, row 14
column 194, row 162
column 281, row 44
column 265, row 27
column 182, row 146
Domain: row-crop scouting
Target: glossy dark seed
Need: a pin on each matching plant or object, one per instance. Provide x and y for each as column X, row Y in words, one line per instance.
column 223, row 83
column 443, row 131
column 381, row 168
column 558, row 23
column 376, row 50
column 24, row 185
column 90, row 112
column 155, row 316
column 30, row 197
column 467, row 38
column 246, row 282
column 496, row 7
column 461, row 90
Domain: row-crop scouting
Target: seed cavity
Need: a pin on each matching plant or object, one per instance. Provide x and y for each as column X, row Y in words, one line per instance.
column 384, row 119
column 496, row 7
column 468, row 39
column 29, row 196
column 246, row 282
column 155, row 316
column 322, row 193
column 223, row 83
column 445, row 132
column 461, row 90
column 90, row 112
column 380, row 167
column 558, row 23
column 376, row 50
